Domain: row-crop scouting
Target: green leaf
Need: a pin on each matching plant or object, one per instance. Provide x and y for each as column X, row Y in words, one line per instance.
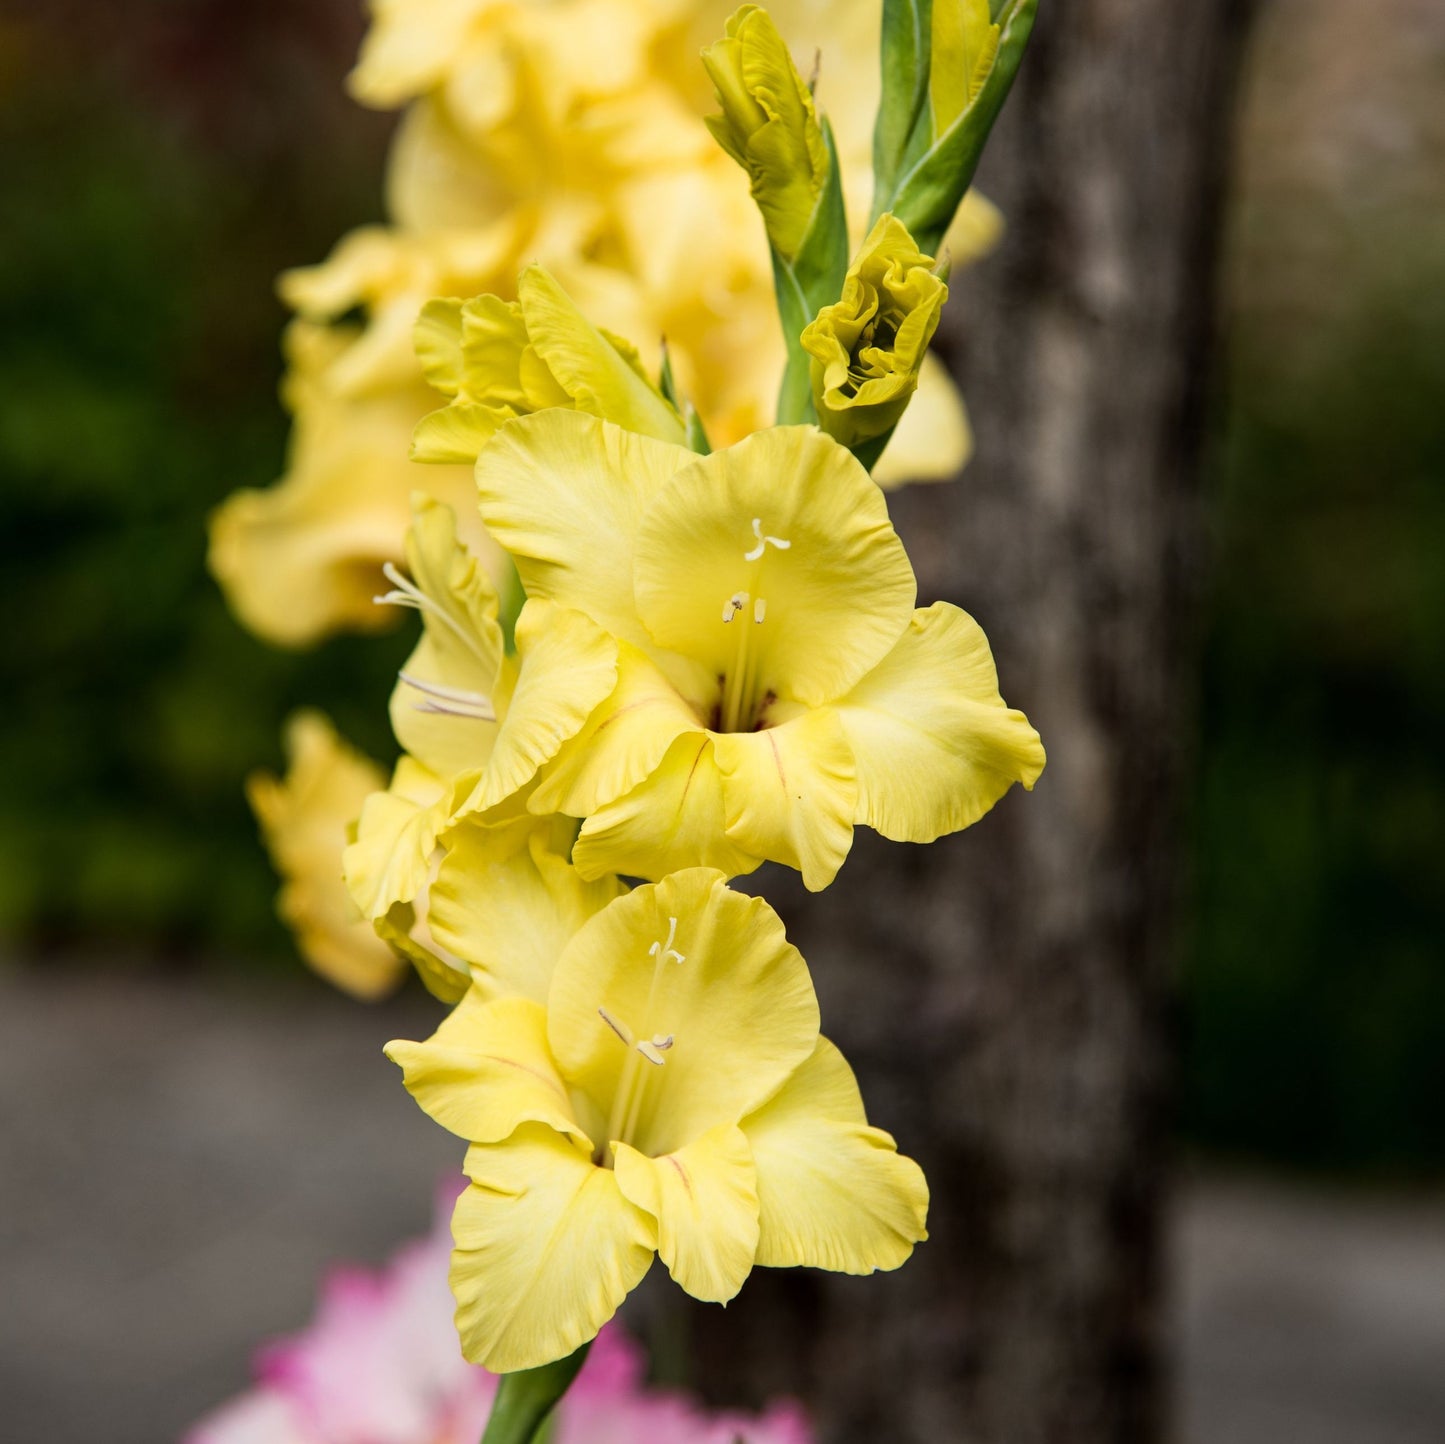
column 812, row 279
column 929, row 191
column 907, row 25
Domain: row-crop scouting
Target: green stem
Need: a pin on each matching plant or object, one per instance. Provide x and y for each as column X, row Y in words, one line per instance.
column 524, row 1400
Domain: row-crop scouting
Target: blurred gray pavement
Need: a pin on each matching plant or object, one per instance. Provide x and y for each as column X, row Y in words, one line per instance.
column 180, row 1159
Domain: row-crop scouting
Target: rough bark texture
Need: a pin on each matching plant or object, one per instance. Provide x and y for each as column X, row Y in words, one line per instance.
column 1004, row 994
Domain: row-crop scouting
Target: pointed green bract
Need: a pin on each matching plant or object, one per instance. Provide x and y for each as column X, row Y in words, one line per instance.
column 973, row 54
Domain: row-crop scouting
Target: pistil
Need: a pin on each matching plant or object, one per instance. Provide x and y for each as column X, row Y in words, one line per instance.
column 739, row 704
column 632, row 1082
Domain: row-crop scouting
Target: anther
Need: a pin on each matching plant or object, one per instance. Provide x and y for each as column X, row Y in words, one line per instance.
column 763, row 542
column 617, row 1026
column 734, row 605
column 760, row 610
column 666, row 949
column 651, row 1052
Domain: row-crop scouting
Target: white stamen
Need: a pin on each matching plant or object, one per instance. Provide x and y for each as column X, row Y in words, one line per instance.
column 763, row 542
column 760, row 609
column 617, row 1026
column 651, row 1053
column 451, row 701
column 666, row 949
column 663, row 1041
column 408, row 594
column 734, row 605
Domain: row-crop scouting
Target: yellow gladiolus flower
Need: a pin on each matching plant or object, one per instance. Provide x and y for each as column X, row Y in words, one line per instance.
column 775, row 684
column 672, row 1096
column 868, row 347
column 498, row 359
column 304, row 819
column 768, row 124
column 302, row 559
column 476, row 724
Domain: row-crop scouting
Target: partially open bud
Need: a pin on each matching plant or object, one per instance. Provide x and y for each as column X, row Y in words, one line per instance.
column 868, row 348
column 498, row 359
column 769, row 125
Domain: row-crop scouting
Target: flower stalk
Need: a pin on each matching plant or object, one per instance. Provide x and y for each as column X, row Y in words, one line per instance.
column 526, row 1399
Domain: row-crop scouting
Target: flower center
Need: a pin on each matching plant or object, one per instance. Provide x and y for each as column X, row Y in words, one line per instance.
column 633, row 1083
column 739, row 707
column 879, row 335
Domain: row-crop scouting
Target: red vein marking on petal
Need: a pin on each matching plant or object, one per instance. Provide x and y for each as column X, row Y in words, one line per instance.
column 681, row 1173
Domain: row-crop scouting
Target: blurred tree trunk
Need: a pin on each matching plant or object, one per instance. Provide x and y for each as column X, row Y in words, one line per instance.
column 1005, row 995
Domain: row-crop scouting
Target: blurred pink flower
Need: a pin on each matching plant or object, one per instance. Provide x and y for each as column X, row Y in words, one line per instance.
column 380, row 1364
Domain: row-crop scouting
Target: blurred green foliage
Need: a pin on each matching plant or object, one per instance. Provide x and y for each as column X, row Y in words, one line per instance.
column 1316, row 963
column 138, row 376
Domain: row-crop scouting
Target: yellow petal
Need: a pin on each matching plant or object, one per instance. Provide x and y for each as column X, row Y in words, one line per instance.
column 546, row 1249
column 789, row 793
column 438, row 340
column 934, row 440
column 409, row 48
column 567, row 665
column 835, row 598
column 458, row 432
column 486, row 1070
column 511, row 917
column 673, row 819
column 964, row 43
column 833, row 1193
column 444, row 977
column 624, row 741
column 390, row 861
column 494, row 341
column 739, row 1007
column 934, row 744
column 704, row 1197
column 564, row 494
column 590, row 369
column 453, row 680
column 304, row 821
